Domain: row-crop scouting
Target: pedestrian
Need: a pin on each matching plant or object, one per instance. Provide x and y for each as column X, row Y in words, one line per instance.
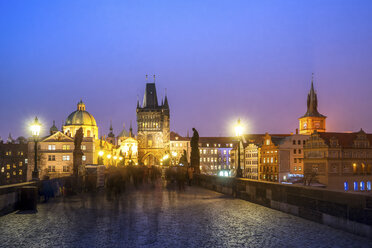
column 190, row 174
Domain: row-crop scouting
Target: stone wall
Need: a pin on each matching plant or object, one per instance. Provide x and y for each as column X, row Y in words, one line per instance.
column 351, row 212
column 10, row 196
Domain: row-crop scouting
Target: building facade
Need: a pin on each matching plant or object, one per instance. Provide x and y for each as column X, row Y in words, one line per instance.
column 339, row 161
column 178, row 146
column 269, row 157
column 153, row 128
column 215, row 155
column 312, row 120
column 291, row 154
column 13, row 162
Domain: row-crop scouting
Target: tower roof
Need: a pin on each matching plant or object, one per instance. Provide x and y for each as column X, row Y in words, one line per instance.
column 312, row 103
column 150, row 99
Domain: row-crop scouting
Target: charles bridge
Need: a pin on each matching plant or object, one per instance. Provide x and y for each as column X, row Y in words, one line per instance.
column 209, row 214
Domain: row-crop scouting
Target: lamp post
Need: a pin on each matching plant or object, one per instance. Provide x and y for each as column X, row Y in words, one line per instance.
column 35, row 131
column 238, row 133
column 100, row 157
column 174, row 154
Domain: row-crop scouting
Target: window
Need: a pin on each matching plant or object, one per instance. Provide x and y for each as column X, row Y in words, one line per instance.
column 66, row 158
column 207, row 145
column 2, row 169
column 267, row 142
column 231, row 145
column 294, row 142
column 7, row 175
column 299, row 151
column 84, row 158
column 299, row 168
column 201, row 159
column 8, row 166
column 51, row 147
column 204, row 151
column 66, row 168
column 299, row 142
column 362, row 186
column 354, row 168
column 272, row 160
column 51, row 157
column 369, row 185
column 51, row 168
column 294, row 151
column 20, row 172
column 295, row 160
column 303, row 142
column 20, row 163
column 66, row 147
column 219, row 145
column 26, row 161
column 295, row 168
column 355, row 186
column 264, row 160
column 346, row 186
column 224, row 152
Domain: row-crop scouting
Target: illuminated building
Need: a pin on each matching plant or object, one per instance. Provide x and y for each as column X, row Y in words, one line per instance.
column 153, row 128
column 269, row 157
column 13, row 161
column 291, row 155
column 81, row 118
column 312, row 120
column 178, row 145
column 215, row 154
column 339, row 161
column 128, row 147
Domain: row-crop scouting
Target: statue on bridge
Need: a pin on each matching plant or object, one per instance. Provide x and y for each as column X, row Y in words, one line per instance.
column 77, row 154
column 195, row 155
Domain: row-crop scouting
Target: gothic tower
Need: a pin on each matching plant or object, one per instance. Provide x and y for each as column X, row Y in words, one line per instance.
column 312, row 120
column 153, row 127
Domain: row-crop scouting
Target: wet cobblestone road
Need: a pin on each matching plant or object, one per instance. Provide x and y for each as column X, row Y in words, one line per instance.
column 165, row 218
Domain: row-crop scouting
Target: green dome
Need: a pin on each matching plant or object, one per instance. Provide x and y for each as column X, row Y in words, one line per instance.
column 81, row 117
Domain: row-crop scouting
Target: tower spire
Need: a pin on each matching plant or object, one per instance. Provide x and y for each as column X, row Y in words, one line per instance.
column 166, row 105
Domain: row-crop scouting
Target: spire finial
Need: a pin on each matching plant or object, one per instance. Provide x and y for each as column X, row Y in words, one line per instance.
column 154, row 78
column 146, row 77
column 111, row 125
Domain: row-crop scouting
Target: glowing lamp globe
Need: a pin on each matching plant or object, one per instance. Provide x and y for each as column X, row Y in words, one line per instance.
column 35, row 127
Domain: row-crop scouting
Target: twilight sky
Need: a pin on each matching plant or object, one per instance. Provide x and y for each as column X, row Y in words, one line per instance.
column 218, row 60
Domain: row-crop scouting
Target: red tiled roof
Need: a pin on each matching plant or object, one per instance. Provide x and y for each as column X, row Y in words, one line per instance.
column 344, row 139
column 175, row 136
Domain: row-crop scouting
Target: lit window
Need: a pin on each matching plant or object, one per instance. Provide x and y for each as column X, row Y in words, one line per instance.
column 181, row 145
column 264, row 160
column 66, row 158
column 272, row 160
column 346, row 186
column 20, row 163
column 8, row 166
column 51, row 147
column 20, row 172
column 231, row 145
column 362, row 186
column 267, row 142
column 299, row 168
column 26, row 161
column 295, row 168
column 14, row 173
column 369, row 185
column 219, row 145
column 205, row 151
column 84, row 158
column 201, row 159
column 207, row 145
column 355, row 186
column 8, row 175
column 2, row 169
column 224, row 152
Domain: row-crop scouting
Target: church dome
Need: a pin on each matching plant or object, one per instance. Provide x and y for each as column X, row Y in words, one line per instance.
column 81, row 117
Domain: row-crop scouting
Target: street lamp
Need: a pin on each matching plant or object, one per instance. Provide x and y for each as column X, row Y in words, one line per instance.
column 35, row 131
column 174, row 154
column 100, row 157
column 238, row 133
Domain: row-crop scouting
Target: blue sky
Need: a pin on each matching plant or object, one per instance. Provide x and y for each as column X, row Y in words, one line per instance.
column 218, row 60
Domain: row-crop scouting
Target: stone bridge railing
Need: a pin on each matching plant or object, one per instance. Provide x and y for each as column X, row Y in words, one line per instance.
column 351, row 212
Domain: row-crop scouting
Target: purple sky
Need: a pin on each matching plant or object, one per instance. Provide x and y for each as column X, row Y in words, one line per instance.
column 218, row 60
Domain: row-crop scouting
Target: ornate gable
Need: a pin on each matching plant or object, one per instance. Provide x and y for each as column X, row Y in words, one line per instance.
column 58, row 137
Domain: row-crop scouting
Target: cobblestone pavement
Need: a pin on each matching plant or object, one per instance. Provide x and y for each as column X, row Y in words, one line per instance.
column 162, row 217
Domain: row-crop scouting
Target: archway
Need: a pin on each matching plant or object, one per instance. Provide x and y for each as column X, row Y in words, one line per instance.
column 150, row 159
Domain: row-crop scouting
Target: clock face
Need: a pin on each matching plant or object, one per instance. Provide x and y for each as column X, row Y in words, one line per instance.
column 305, row 125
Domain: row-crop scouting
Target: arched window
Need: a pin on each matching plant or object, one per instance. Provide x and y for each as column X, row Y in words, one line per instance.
column 362, row 186
column 355, row 186
column 88, row 133
column 369, row 185
column 346, row 186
